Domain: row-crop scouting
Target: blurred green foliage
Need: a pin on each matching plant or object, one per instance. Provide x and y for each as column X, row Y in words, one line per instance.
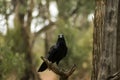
column 10, row 62
column 72, row 21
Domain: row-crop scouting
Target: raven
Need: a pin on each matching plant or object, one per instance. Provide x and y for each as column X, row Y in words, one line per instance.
column 56, row 52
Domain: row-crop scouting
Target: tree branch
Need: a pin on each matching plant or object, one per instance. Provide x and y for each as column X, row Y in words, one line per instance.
column 114, row 76
column 64, row 75
column 45, row 28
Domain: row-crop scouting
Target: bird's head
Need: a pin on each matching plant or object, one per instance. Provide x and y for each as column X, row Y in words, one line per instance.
column 60, row 36
column 61, row 40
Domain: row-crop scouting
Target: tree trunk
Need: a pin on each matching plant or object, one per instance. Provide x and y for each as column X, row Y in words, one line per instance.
column 25, row 39
column 118, row 39
column 105, row 39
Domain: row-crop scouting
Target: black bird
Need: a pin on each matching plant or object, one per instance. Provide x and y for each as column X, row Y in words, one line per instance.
column 56, row 52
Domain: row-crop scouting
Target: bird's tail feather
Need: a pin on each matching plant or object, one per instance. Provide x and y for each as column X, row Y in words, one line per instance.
column 42, row 67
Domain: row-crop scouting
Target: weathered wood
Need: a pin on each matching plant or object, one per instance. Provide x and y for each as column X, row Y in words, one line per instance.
column 97, row 37
column 118, row 39
column 64, row 75
column 114, row 76
column 105, row 37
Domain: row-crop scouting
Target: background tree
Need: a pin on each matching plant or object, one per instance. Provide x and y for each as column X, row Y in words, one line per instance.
column 106, row 39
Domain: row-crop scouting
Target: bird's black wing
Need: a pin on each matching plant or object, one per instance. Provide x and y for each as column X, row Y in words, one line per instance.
column 50, row 57
column 52, row 53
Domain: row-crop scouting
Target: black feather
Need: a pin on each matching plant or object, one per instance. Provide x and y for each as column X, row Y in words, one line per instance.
column 43, row 67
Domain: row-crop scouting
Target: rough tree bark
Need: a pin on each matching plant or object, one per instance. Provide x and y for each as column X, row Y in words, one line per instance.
column 106, row 39
column 118, row 38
